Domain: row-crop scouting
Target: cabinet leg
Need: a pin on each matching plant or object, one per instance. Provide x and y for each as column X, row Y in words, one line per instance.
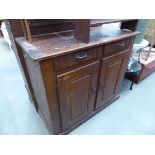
column 133, row 81
column 131, row 85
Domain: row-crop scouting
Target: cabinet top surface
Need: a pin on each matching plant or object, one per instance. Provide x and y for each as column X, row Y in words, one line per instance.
column 56, row 44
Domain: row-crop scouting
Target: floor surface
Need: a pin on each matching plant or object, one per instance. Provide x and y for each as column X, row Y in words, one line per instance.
column 133, row 113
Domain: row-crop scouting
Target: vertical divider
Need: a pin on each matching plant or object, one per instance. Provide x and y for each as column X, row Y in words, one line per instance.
column 82, row 29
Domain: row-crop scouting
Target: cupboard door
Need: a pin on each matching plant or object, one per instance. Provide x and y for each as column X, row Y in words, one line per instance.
column 77, row 91
column 111, row 77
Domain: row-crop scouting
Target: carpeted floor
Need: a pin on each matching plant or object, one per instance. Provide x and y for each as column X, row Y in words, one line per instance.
column 133, row 113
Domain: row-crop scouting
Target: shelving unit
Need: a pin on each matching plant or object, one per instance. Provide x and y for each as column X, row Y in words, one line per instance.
column 81, row 27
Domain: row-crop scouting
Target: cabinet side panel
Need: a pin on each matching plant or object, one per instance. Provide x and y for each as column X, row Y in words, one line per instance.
column 39, row 91
column 49, row 80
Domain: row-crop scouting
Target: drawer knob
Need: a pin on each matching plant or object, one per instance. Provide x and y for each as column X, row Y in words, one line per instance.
column 81, row 56
column 121, row 44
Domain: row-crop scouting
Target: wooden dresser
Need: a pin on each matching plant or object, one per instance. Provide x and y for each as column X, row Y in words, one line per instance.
column 72, row 79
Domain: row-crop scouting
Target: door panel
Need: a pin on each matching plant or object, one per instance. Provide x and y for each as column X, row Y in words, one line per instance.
column 76, row 85
column 112, row 72
column 77, row 91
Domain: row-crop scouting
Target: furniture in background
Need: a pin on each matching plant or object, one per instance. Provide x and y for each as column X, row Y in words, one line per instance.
column 133, row 72
column 141, row 27
column 150, row 36
column 148, row 57
column 149, row 33
column 140, row 43
column 6, row 35
column 148, row 67
column 137, row 49
column 0, row 29
column 75, row 73
column 134, row 66
column 149, row 51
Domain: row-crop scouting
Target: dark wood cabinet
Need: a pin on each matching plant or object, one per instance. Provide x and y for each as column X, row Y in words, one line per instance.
column 77, row 92
column 72, row 80
column 110, row 78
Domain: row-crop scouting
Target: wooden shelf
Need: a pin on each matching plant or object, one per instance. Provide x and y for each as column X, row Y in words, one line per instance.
column 48, row 22
column 99, row 22
column 81, row 27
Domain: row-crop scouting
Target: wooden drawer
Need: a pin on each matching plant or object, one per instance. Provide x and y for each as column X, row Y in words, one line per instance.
column 117, row 46
column 72, row 59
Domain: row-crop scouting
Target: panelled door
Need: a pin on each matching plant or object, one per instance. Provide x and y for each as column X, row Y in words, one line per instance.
column 77, row 93
column 111, row 76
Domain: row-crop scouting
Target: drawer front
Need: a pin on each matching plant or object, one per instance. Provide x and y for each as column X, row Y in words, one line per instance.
column 117, row 46
column 72, row 59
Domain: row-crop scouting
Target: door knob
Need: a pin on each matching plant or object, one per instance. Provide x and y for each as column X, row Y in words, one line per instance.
column 93, row 91
column 102, row 89
column 101, row 86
